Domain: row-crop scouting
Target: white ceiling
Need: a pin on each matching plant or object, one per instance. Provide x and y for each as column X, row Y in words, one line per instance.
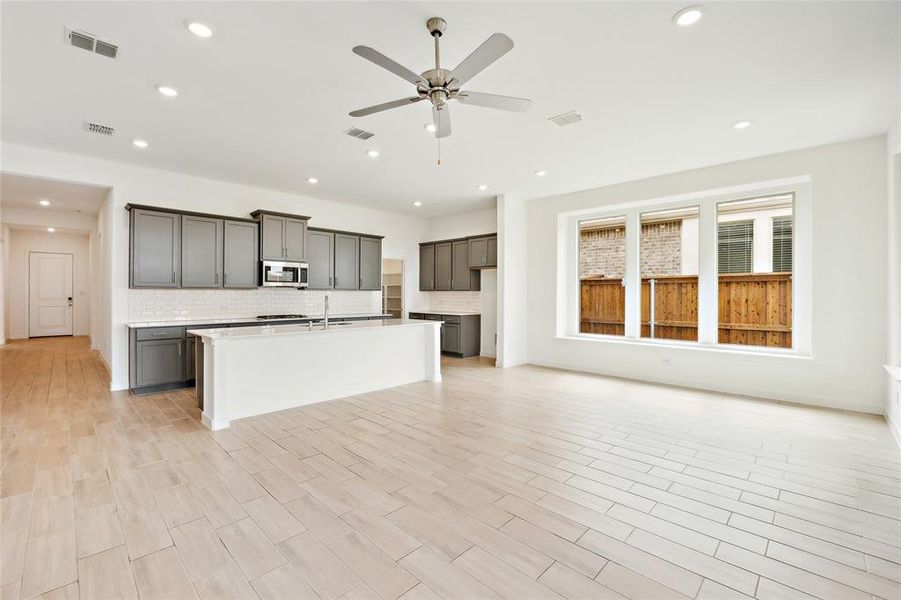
column 265, row 101
column 27, row 192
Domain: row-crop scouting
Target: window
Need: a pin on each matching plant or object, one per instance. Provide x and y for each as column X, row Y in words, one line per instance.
column 754, row 283
column 782, row 244
column 736, row 247
column 602, row 266
column 669, row 274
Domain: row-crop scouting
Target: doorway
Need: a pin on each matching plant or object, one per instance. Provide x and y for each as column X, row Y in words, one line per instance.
column 50, row 294
column 393, row 287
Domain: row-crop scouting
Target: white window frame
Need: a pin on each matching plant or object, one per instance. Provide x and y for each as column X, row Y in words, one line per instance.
column 568, row 285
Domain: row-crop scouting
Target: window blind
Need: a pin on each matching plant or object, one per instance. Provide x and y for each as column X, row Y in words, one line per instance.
column 735, row 242
column 782, row 244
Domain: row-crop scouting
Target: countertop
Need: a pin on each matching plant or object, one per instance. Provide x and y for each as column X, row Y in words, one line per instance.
column 305, row 329
column 234, row 320
column 453, row 313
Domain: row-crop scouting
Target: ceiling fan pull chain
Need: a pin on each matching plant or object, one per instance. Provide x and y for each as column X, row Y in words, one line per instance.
column 439, row 152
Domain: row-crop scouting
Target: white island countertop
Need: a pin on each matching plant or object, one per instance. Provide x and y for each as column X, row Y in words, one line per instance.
column 275, row 329
column 188, row 321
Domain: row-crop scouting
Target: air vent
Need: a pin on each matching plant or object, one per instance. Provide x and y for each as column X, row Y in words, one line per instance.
column 360, row 134
column 567, row 118
column 99, row 129
column 88, row 42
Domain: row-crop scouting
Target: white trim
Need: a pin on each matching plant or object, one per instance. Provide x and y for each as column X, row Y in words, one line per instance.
column 568, row 284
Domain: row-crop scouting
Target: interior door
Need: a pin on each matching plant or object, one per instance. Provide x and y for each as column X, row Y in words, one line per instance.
column 50, row 295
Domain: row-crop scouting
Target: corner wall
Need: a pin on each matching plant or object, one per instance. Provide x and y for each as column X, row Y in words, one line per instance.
column 849, row 290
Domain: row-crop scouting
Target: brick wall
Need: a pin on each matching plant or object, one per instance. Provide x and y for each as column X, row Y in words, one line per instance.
column 602, row 252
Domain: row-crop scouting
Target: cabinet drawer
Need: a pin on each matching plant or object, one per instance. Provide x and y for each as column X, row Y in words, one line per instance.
column 451, row 319
column 431, row 317
column 160, row 333
column 417, row 316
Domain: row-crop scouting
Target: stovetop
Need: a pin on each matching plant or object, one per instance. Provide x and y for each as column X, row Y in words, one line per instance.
column 271, row 317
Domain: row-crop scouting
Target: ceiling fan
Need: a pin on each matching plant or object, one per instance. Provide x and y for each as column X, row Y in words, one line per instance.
column 440, row 85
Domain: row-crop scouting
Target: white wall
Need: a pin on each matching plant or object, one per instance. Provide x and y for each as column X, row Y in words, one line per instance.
column 24, row 241
column 4, row 269
column 848, row 277
column 512, row 284
column 472, row 223
column 132, row 184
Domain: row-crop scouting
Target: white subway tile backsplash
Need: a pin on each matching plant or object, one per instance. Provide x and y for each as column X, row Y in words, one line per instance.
column 166, row 305
column 453, row 301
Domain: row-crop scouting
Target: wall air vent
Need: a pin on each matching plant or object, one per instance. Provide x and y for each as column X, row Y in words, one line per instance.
column 91, row 43
column 99, row 129
column 360, row 134
column 567, row 118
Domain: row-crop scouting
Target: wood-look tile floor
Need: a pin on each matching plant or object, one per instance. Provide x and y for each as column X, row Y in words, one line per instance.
column 518, row 483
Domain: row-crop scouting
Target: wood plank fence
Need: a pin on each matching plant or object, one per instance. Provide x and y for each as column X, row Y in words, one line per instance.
column 754, row 309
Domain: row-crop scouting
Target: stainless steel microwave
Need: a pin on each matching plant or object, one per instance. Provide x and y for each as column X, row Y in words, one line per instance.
column 276, row 273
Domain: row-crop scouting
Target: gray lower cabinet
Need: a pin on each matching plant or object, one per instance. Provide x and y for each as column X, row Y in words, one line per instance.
column 450, row 338
column 190, row 362
column 201, row 252
column 444, row 261
column 347, row 262
column 159, row 362
column 461, row 335
column 370, row 263
column 241, row 261
column 321, row 258
column 464, row 278
column 155, row 249
column 427, row 267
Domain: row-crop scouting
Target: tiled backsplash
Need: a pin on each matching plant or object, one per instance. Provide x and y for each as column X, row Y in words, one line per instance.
column 163, row 305
column 454, row 301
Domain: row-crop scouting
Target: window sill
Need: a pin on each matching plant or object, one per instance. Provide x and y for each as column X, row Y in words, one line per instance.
column 750, row 351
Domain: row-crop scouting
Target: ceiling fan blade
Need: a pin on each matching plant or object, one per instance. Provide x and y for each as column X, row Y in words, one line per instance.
column 491, row 49
column 441, row 118
column 385, row 106
column 386, row 63
column 494, row 101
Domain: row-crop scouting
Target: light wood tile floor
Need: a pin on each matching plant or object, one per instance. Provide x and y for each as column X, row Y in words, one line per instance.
column 518, row 483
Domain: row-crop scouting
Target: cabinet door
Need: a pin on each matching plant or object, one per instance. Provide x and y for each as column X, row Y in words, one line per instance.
column 321, row 258
column 451, row 340
column 492, row 252
column 461, row 272
column 443, row 266
column 201, row 252
column 478, row 252
column 241, row 263
column 155, row 249
column 159, row 362
column 370, row 264
column 190, row 363
column 347, row 262
column 427, row 267
column 295, row 239
column 273, row 232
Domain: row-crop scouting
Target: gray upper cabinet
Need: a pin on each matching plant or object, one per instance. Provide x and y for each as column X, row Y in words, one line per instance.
column 347, row 262
column 155, row 249
column 443, row 266
column 241, row 262
column 321, row 258
column 464, row 278
column 492, row 251
column 295, row 239
column 201, row 252
column 370, row 263
column 273, row 240
column 483, row 252
column 427, row 267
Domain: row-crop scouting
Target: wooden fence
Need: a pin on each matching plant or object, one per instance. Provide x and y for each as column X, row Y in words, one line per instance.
column 754, row 309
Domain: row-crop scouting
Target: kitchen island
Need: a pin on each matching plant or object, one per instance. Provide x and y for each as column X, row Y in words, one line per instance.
column 254, row 370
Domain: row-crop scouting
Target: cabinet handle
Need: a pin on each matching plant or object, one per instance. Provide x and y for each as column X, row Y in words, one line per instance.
column 179, row 348
column 217, row 278
column 224, row 279
column 336, row 282
column 173, row 275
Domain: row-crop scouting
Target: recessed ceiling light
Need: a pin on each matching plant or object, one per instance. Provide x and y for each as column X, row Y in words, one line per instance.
column 372, row 153
column 688, row 16
column 312, row 180
column 417, row 203
column 166, row 90
column 741, row 124
column 139, row 143
column 51, row 229
column 44, row 202
column 541, row 173
column 483, row 187
column 199, row 29
column 430, row 127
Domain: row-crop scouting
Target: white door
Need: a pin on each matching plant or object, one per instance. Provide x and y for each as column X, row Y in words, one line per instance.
column 49, row 294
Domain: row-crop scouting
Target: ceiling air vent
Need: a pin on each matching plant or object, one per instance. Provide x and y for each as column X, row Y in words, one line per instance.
column 567, row 118
column 99, row 129
column 91, row 43
column 360, row 134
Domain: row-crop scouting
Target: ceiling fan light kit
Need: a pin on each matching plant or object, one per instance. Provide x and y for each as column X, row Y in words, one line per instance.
column 440, row 85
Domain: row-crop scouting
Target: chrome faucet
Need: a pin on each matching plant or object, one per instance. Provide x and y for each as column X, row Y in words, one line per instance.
column 326, row 312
